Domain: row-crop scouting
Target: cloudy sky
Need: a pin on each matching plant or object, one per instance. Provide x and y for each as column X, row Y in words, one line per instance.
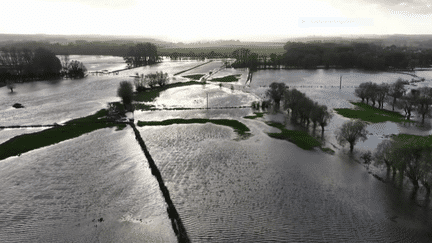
column 216, row 19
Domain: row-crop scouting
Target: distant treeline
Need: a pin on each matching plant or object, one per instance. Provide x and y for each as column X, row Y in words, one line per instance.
column 28, row 61
column 116, row 48
column 79, row 47
column 25, row 64
column 141, row 55
column 355, row 55
column 312, row 55
column 305, row 55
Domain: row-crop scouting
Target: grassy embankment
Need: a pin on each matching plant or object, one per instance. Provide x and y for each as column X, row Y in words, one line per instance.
column 241, row 129
column 371, row 114
column 414, row 140
column 72, row 129
column 230, row 78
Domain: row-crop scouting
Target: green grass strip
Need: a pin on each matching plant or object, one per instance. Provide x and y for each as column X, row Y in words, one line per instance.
column 230, row 78
column 194, row 77
column 72, row 129
column 327, row 150
column 299, row 138
column 151, row 94
column 238, row 127
column 370, row 114
column 414, row 140
column 257, row 114
column 192, row 68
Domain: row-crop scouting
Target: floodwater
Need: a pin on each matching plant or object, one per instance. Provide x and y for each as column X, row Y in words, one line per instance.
column 99, row 63
column 98, row 187
column 262, row 190
column 323, row 86
column 94, row 188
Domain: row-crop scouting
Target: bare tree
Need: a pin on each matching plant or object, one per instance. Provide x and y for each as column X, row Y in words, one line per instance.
column 424, row 102
column 382, row 91
column 351, row 131
column 276, row 92
column 361, row 91
column 396, row 90
column 382, row 155
column 65, row 62
column 407, row 103
column 324, row 116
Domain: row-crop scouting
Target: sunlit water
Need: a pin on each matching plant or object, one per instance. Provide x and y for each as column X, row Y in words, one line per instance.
column 262, row 190
column 60, row 193
column 224, row 188
column 99, row 63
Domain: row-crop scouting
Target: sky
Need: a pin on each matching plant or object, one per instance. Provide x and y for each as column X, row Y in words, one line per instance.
column 189, row 21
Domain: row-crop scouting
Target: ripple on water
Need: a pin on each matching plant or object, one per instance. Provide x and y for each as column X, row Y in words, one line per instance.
column 264, row 190
column 94, row 188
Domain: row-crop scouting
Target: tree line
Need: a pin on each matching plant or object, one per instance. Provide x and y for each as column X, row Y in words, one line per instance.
column 301, row 108
column 367, row 56
column 311, row 55
column 78, row 47
column 22, row 65
column 142, row 82
column 408, row 155
column 141, row 54
column 418, row 100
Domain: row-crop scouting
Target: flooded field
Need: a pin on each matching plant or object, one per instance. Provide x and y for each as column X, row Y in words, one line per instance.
column 95, row 188
column 98, row 187
column 262, row 190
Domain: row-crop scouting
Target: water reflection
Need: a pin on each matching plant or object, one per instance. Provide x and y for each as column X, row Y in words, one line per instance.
column 95, row 188
column 263, row 190
column 260, row 189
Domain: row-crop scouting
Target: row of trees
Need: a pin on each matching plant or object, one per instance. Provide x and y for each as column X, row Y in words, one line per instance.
column 26, row 65
column 380, row 92
column 354, row 55
column 410, row 156
column 141, row 54
column 303, row 109
column 78, row 47
column 419, row 100
column 142, row 82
